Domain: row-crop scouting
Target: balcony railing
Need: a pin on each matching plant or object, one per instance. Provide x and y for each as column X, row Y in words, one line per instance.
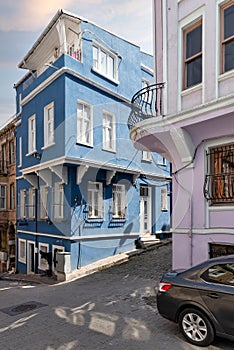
column 146, row 103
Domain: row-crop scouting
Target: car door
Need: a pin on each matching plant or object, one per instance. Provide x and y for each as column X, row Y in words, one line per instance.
column 218, row 294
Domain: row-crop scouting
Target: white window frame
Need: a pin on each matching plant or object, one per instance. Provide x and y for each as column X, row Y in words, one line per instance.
column 31, row 203
column 164, row 199
column 22, row 250
column 44, row 193
column 147, row 156
column 84, row 137
column 58, row 199
column 95, row 199
column 49, row 125
column 4, row 158
column 20, row 152
column 22, row 202
column 161, row 160
column 32, row 134
column 109, row 131
column 98, row 62
column 118, row 201
column 42, row 263
column 3, row 196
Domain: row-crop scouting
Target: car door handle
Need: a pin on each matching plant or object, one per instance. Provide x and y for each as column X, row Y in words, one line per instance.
column 213, row 295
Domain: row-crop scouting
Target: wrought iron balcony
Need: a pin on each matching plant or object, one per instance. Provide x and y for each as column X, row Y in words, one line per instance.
column 146, row 103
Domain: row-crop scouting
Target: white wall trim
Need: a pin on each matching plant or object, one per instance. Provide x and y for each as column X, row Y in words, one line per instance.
column 202, row 231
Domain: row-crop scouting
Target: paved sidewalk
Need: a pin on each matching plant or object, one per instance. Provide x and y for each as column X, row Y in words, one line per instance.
column 86, row 270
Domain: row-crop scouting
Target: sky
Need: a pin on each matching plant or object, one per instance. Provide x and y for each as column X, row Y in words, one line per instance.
column 22, row 22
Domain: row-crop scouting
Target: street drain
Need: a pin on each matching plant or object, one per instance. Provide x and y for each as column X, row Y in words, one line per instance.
column 19, row 309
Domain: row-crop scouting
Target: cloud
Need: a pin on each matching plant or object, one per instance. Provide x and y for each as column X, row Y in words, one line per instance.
column 29, row 15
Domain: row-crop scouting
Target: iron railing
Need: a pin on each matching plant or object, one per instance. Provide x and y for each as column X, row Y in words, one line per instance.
column 146, row 103
column 219, row 188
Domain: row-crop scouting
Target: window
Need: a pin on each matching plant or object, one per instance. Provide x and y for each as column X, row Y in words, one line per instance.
column 227, row 37
column 161, row 160
column 219, row 180
column 22, row 204
column 4, row 162
column 164, row 206
column 43, row 264
column 44, row 202
column 109, row 137
column 31, row 203
column 49, row 125
column 221, row 274
column 95, row 199
column 12, row 196
column 58, row 200
column 84, row 124
column 12, row 151
column 104, row 62
column 22, row 250
column 2, row 197
column 20, row 152
column 193, row 55
column 32, row 134
column 144, row 191
column 147, row 156
column 118, row 201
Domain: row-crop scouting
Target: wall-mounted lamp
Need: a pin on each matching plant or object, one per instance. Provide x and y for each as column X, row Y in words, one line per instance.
column 37, row 155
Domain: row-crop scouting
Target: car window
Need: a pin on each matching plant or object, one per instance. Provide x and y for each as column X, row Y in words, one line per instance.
column 221, row 273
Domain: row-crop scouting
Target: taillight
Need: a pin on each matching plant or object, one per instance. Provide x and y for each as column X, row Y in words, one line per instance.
column 164, row 287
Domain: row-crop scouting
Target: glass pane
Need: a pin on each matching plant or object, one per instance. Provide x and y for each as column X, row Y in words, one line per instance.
column 229, row 55
column 228, row 22
column 103, row 62
column 194, row 72
column 194, row 42
column 111, row 66
column 95, row 57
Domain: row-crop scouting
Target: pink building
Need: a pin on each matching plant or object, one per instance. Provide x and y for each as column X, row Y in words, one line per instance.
column 188, row 117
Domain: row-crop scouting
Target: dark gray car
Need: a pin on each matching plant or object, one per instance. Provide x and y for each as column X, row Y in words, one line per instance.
column 201, row 300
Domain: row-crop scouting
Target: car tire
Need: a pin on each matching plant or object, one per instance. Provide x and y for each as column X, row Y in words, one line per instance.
column 196, row 327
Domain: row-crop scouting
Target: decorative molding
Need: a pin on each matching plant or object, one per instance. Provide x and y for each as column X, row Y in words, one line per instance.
column 80, row 172
column 32, row 179
column 109, row 176
column 46, row 176
column 61, row 171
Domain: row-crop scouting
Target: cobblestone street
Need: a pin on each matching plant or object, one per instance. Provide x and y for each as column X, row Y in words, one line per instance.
column 112, row 309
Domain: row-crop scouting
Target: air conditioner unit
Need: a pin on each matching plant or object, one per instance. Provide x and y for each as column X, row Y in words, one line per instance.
column 3, row 256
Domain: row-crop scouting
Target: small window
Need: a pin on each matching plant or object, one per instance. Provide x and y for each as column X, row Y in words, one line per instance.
column 164, row 201
column 49, row 125
column 144, row 191
column 105, row 62
column 31, row 203
column 193, row 55
column 20, row 152
column 32, row 134
column 44, row 202
column 12, row 151
column 43, row 250
column 161, row 160
column 109, row 137
column 118, row 201
column 58, row 200
column 22, row 250
column 95, row 198
column 22, row 203
column 221, row 274
column 147, row 156
column 219, row 180
column 84, row 124
column 227, row 37
column 12, row 196
column 4, row 159
column 3, row 197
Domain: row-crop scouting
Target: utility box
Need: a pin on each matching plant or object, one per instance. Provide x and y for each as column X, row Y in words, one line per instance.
column 63, row 264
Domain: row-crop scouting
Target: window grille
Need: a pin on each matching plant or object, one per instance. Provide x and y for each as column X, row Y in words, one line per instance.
column 219, row 180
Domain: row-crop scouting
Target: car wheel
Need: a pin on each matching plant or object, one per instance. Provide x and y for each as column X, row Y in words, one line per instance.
column 196, row 327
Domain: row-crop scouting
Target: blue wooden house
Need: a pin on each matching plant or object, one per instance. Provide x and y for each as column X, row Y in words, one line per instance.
column 84, row 192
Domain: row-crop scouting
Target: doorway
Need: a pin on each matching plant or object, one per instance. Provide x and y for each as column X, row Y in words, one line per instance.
column 31, row 257
column 145, row 210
